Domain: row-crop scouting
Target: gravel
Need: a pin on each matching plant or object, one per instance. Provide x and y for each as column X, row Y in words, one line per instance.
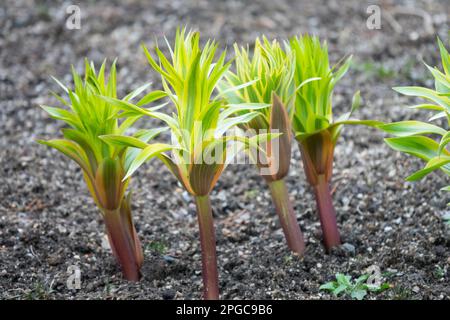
column 48, row 222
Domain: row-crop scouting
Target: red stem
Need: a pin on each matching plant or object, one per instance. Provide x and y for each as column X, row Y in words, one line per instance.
column 208, row 245
column 327, row 214
column 286, row 214
column 122, row 238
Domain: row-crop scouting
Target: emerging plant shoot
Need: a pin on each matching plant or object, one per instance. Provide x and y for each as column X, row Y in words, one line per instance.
column 268, row 78
column 199, row 156
column 103, row 165
column 410, row 135
column 314, row 126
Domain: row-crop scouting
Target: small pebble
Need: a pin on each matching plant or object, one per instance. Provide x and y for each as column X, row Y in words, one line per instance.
column 168, row 294
column 105, row 243
column 61, row 229
column 349, row 248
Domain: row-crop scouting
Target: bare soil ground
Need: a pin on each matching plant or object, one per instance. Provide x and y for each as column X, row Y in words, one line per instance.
column 48, row 221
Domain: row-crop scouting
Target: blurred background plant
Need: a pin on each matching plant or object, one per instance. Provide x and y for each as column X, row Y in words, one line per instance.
column 412, row 136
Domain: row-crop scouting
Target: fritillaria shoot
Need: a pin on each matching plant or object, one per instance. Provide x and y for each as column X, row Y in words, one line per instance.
column 314, row 127
column 267, row 77
column 103, row 165
column 200, row 147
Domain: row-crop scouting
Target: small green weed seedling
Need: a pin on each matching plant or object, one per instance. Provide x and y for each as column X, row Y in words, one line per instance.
column 357, row 289
column 159, row 247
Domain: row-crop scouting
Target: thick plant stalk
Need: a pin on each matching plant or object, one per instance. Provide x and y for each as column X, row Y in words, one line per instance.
column 285, row 211
column 317, row 155
column 208, row 245
column 124, row 242
column 327, row 214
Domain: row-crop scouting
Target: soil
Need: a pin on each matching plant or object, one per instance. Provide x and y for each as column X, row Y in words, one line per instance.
column 48, row 221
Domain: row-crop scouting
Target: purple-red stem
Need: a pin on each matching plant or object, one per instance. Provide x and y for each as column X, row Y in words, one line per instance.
column 208, row 245
column 286, row 214
column 327, row 214
column 124, row 244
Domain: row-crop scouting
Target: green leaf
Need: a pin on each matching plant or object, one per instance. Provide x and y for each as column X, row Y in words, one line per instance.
column 385, row 286
column 135, row 110
column 151, row 97
column 336, row 127
column 61, row 85
column 148, row 134
column 342, row 69
column 419, row 146
column 340, row 289
column 178, row 171
column 358, row 294
column 444, row 56
column 425, row 93
column 136, row 92
column 427, row 106
column 438, row 116
column 329, row 286
column 343, row 279
column 149, row 152
column 442, row 81
column 236, row 88
column 123, row 141
column 369, row 123
column 433, row 164
column 409, row 128
column 306, row 82
column 171, row 122
column 229, row 123
column 241, row 107
column 127, row 123
column 361, row 279
column 443, row 143
column 89, row 145
column 356, row 101
column 124, row 105
column 70, row 149
column 64, row 115
column 254, row 142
